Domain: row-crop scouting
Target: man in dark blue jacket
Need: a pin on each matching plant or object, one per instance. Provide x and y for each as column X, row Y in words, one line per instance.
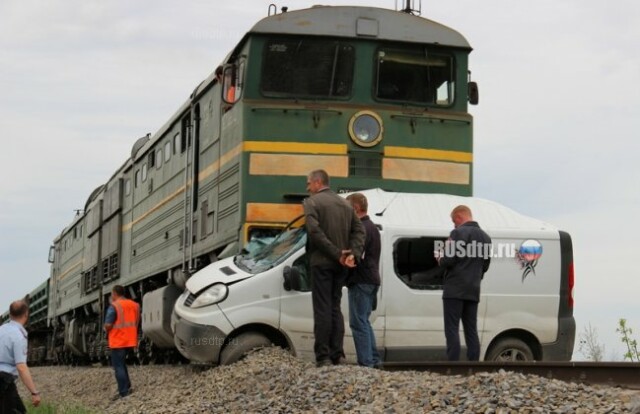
column 466, row 257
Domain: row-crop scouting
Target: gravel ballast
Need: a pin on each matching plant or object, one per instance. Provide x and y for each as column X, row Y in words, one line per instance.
column 271, row 380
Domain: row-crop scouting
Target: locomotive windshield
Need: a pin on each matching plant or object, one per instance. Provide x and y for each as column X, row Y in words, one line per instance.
column 274, row 253
column 307, row 68
column 415, row 76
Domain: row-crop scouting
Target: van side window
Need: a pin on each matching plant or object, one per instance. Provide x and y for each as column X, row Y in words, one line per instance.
column 415, row 265
column 302, row 264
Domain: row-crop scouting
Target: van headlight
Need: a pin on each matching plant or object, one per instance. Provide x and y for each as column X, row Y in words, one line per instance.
column 365, row 128
column 211, row 295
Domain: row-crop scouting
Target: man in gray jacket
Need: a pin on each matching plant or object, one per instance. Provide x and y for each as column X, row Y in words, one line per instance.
column 335, row 238
column 466, row 258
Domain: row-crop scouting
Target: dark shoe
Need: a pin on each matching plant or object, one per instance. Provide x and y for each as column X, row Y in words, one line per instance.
column 340, row 361
column 323, row 363
column 118, row 396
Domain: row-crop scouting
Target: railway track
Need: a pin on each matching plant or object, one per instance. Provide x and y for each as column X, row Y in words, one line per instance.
column 615, row 374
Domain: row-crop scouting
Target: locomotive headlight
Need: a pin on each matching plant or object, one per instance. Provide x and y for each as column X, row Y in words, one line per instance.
column 365, row 128
column 211, row 295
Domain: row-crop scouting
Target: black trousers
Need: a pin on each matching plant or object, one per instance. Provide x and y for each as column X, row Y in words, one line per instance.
column 467, row 311
column 10, row 402
column 328, row 322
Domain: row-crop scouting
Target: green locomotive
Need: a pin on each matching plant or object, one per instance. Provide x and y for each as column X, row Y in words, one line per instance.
column 378, row 98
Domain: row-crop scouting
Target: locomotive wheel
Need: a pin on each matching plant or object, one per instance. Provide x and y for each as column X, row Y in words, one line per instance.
column 143, row 352
column 157, row 357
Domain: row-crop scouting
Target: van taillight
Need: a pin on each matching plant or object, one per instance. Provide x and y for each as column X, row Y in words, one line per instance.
column 571, row 283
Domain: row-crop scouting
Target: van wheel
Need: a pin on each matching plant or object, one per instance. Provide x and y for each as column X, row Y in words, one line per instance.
column 510, row 350
column 240, row 346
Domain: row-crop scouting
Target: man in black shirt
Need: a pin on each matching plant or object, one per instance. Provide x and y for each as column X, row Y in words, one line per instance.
column 363, row 283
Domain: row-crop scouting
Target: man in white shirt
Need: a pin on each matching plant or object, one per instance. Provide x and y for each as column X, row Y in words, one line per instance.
column 13, row 360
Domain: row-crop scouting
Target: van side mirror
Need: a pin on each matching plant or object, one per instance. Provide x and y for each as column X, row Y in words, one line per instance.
column 474, row 95
column 291, row 277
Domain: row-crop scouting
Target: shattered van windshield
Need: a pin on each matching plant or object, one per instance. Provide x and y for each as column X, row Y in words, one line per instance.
column 272, row 254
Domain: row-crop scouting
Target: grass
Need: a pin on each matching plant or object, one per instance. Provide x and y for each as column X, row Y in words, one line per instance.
column 48, row 408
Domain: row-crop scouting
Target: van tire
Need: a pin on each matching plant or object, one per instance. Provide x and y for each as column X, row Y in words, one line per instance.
column 240, row 346
column 510, row 350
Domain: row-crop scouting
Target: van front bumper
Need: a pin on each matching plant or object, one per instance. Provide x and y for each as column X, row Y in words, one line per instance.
column 196, row 342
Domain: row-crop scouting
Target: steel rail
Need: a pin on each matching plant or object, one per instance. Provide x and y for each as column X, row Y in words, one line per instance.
column 615, row 374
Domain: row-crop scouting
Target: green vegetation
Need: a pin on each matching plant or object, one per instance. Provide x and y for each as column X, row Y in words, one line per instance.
column 49, row 408
column 632, row 353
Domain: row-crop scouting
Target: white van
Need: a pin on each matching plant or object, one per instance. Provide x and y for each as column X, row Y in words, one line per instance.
column 525, row 311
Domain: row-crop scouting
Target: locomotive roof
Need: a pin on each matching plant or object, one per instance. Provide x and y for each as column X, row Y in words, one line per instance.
column 338, row 21
column 361, row 22
column 409, row 210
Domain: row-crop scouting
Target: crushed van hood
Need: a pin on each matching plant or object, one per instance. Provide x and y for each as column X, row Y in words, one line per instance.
column 222, row 271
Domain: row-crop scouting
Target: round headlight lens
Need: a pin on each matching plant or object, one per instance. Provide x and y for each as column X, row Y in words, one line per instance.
column 365, row 129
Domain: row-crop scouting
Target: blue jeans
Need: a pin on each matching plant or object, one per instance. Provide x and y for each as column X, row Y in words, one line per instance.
column 118, row 357
column 361, row 299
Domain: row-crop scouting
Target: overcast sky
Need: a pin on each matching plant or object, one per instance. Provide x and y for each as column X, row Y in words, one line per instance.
column 556, row 131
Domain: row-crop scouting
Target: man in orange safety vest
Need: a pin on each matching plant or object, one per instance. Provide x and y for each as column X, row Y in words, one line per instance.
column 121, row 324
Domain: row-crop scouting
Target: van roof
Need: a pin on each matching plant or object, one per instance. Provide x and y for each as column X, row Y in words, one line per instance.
column 392, row 209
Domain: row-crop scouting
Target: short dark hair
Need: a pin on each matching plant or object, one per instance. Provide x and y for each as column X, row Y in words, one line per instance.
column 320, row 175
column 118, row 290
column 360, row 200
column 18, row 309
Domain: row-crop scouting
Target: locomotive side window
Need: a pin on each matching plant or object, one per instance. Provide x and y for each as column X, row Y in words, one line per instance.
column 232, row 82
column 185, row 133
column 159, row 157
column 176, row 144
column 144, row 172
column 415, row 265
column 167, row 151
column 415, row 76
column 307, row 68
